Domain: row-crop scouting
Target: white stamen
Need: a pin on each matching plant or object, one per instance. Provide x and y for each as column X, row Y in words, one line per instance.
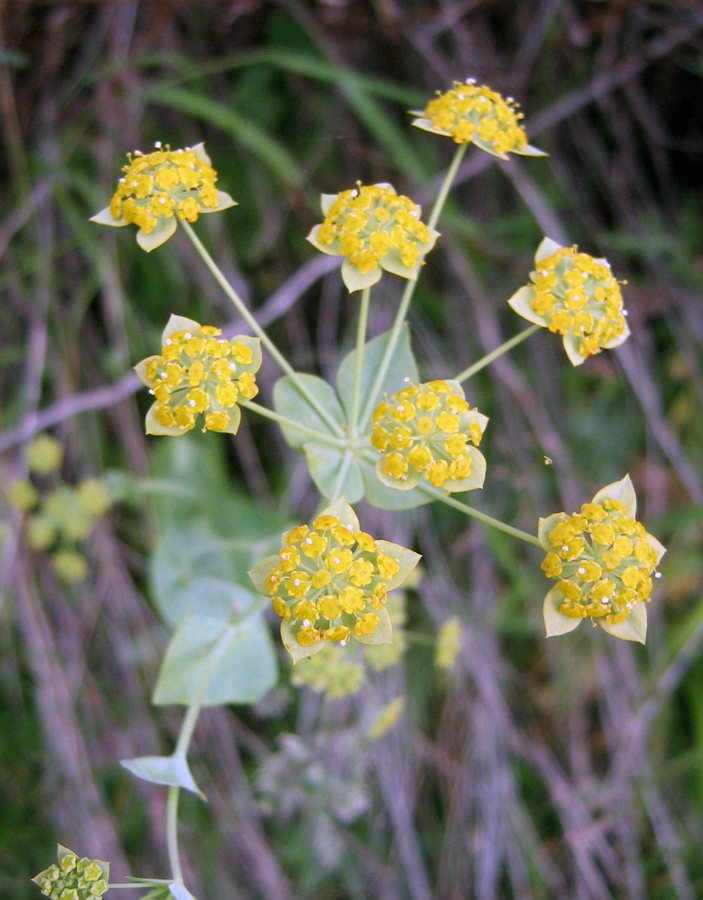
column 168, row 342
column 306, row 623
column 191, row 403
column 187, row 335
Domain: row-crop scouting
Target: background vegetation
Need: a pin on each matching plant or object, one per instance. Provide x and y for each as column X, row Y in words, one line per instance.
column 569, row 768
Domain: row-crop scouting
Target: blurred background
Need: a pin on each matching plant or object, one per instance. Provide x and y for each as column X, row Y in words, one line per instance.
column 521, row 768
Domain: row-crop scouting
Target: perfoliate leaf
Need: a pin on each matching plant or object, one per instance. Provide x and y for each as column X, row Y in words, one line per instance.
column 335, row 472
column 245, row 667
column 288, row 401
column 402, row 366
column 168, row 770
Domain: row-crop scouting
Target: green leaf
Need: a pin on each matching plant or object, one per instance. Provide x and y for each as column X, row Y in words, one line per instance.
column 295, row 650
column 335, row 472
column 260, row 572
column 246, row 667
column 383, row 633
column 105, row 217
column 547, row 525
column 169, row 770
column 165, row 228
column 343, row 511
column 355, row 280
column 402, row 366
column 622, row 491
column 555, row 622
column 383, row 497
column 406, row 559
column 521, row 303
column 181, row 556
column 634, row 628
column 289, row 402
column 547, row 248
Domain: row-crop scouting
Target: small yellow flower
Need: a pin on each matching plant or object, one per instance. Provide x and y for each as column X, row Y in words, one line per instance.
column 199, row 373
column 428, row 430
column 471, row 114
column 375, row 229
column 340, row 586
column 601, row 574
column 576, row 296
column 161, row 187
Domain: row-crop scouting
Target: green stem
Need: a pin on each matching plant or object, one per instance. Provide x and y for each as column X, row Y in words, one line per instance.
column 360, row 341
column 408, row 293
column 181, row 749
column 482, row 517
column 494, row 354
column 172, row 832
column 256, row 328
column 320, row 437
column 446, row 185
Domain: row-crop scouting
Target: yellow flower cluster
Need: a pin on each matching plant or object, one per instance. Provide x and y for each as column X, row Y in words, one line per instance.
column 375, row 229
column 74, row 878
column 576, row 296
column 330, row 581
column 429, row 429
column 471, row 114
column 161, row 187
column 339, row 673
column 163, row 184
column 604, row 560
column 198, row 372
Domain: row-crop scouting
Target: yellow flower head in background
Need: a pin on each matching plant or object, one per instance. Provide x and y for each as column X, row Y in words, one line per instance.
column 477, row 115
column 330, row 582
column 374, row 229
column 198, row 372
column 604, row 562
column 161, row 187
column 576, row 296
column 73, row 878
column 429, row 430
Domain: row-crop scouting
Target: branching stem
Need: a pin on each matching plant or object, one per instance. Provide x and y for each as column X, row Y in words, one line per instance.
column 256, row 328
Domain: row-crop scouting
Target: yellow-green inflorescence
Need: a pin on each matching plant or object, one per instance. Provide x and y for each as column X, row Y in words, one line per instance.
column 330, row 582
column 73, row 878
column 478, row 115
column 199, row 373
column 60, row 518
column 161, row 187
column 429, row 430
column 576, row 296
column 374, row 229
column 604, row 562
column 338, row 672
